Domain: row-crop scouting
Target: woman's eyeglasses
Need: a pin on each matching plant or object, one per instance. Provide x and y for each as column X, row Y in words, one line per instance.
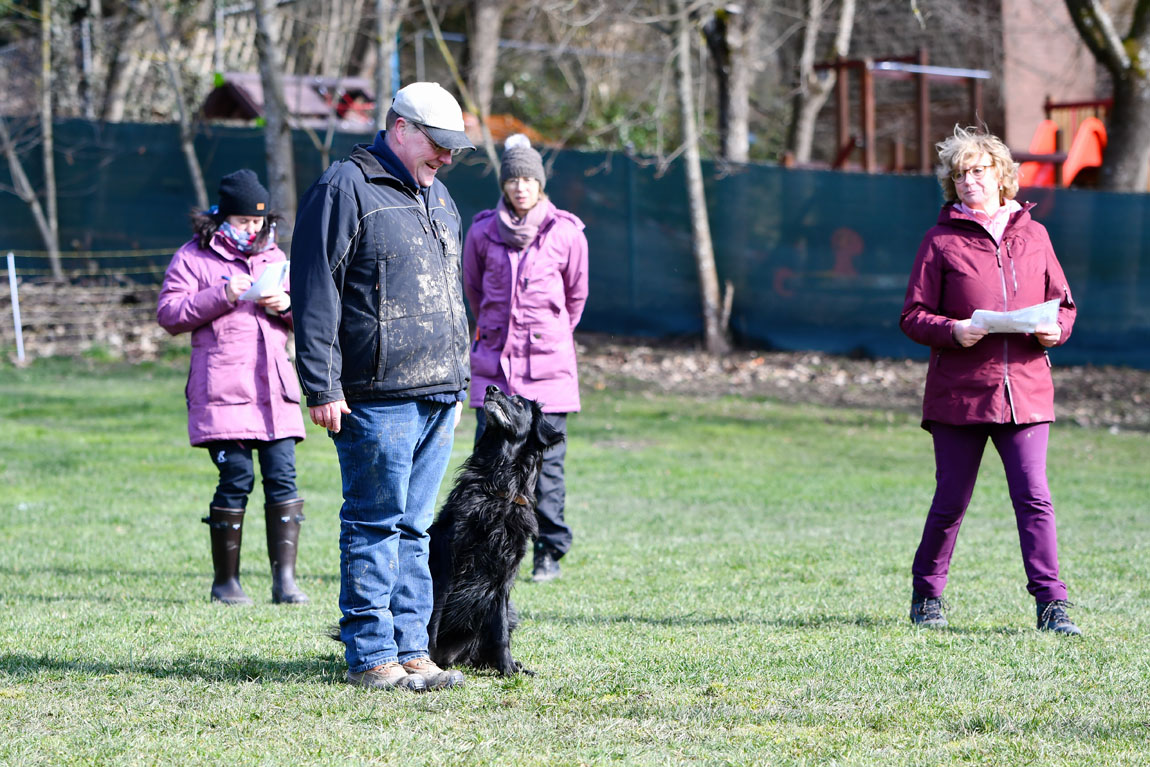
column 977, row 171
column 435, row 147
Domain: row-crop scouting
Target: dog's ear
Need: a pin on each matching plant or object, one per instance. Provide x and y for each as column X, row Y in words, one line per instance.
column 545, row 433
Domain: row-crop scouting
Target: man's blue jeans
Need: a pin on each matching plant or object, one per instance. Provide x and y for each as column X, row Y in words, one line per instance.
column 392, row 455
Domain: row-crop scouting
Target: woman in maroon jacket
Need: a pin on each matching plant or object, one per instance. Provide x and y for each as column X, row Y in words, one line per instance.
column 986, row 252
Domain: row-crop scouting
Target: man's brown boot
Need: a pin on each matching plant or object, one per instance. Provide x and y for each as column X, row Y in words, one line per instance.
column 435, row 677
column 389, row 676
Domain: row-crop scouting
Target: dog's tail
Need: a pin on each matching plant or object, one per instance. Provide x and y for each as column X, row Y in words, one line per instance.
column 332, row 632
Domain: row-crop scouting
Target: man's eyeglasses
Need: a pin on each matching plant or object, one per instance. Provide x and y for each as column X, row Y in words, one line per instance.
column 977, row 171
column 435, row 147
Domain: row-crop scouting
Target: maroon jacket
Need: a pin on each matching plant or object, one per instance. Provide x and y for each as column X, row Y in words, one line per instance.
column 959, row 268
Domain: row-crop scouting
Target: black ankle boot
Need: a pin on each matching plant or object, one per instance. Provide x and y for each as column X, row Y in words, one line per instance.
column 1052, row 617
column 545, row 566
column 283, row 542
column 926, row 611
column 227, row 531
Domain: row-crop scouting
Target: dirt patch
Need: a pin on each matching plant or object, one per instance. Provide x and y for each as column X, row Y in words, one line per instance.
column 1107, row 397
column 117, row 321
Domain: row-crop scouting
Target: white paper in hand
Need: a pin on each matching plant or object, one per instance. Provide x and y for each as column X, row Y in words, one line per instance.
column 270, row 282
column 1025, row 320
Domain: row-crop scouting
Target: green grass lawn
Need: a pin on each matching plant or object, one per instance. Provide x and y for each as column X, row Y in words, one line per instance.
column 737, row 594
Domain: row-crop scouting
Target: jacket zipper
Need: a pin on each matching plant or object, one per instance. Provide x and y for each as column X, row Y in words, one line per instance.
column 1013, row 272
column 1005, row 336
column 429, row 226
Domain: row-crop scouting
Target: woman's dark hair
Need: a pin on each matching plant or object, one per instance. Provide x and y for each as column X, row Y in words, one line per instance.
column 205, row 224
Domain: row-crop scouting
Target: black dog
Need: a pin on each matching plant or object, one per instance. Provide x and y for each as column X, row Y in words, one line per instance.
column 481, row 536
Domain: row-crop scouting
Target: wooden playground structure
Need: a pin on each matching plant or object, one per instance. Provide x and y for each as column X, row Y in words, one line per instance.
column 1046, row 161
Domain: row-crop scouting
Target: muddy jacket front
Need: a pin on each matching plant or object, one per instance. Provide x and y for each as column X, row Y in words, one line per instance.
column 959, row 268
column 377, row 290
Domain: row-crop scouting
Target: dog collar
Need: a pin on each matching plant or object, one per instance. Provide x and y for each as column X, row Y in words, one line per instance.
column 519, row 498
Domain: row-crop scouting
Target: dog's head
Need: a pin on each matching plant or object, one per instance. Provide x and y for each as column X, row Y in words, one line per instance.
column 518, row 424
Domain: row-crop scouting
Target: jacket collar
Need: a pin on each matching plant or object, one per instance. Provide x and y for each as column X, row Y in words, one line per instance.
column 492, row 231
column 379, row 163
column 950, row 215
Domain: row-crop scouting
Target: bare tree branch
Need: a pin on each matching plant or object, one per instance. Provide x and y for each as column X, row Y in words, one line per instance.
column 1096, row 28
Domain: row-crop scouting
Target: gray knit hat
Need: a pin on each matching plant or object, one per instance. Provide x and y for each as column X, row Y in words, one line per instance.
column 521, row 161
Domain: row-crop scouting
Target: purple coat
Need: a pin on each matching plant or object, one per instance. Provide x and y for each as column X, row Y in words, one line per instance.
column 959, row 268
column 526, row 305
column 241, row 384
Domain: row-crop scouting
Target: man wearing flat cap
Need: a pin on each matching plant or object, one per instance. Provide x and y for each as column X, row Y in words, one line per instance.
column 381, row 351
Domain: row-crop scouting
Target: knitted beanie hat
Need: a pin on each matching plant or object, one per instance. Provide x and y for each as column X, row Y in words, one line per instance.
column 521, row 161
column 242, row 194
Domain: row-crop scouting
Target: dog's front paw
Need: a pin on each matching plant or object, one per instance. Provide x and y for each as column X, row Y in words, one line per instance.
column 519, row 669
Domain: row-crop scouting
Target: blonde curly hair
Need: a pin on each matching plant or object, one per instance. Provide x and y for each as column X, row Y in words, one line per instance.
column 964, row 148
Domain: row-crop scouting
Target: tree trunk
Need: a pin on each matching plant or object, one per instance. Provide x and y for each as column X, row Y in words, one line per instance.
column 116, row 83
column 730, row 35
column 26, row 193
column 483, row 50
column 464, row 91
column 277, row 129
column 51, row 227
column 814, row 90
column 1126, row 160
column 388, row 14
column 187, row 129
column 714, row 330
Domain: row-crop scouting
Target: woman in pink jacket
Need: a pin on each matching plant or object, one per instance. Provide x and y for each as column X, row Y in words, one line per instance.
column 986, row 252
column 525, row 276
column 242, row 390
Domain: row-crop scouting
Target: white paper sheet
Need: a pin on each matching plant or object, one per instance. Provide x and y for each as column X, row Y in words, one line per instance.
column 1025, row 320
column 271, row 281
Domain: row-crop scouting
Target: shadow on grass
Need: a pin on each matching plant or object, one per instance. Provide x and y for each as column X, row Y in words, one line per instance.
column 199, row 589
column 812, row 621
column 235, row 670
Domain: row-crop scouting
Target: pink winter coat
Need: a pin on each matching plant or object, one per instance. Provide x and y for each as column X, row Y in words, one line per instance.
column 241, row 384
column 1004, row 377
column 526, row 306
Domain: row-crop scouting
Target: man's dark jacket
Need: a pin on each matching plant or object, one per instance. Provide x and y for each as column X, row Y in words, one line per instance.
column 377, row 295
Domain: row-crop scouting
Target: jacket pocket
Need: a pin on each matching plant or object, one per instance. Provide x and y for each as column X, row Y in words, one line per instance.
column 486, row 350
column 230, row 379
column 289, row 385
column 549, row 354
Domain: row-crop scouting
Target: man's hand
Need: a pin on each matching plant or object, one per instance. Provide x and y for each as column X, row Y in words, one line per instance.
column 329, row 415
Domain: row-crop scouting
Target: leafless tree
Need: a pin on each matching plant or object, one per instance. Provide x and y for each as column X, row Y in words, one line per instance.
column 183, row 119
column 486, row 25
column 1127, row 158
column 464, row 92
column 388, row 14
column 816, row 86
column 127, row 28
column 277, row 128
column 22, row 188
column 731, row 33
column 50, row 227
column 714, row 323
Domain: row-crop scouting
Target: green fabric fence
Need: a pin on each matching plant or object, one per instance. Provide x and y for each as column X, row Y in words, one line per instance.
column 818, row 259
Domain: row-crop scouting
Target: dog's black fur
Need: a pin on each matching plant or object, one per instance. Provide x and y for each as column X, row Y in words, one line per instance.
column 482, row 534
